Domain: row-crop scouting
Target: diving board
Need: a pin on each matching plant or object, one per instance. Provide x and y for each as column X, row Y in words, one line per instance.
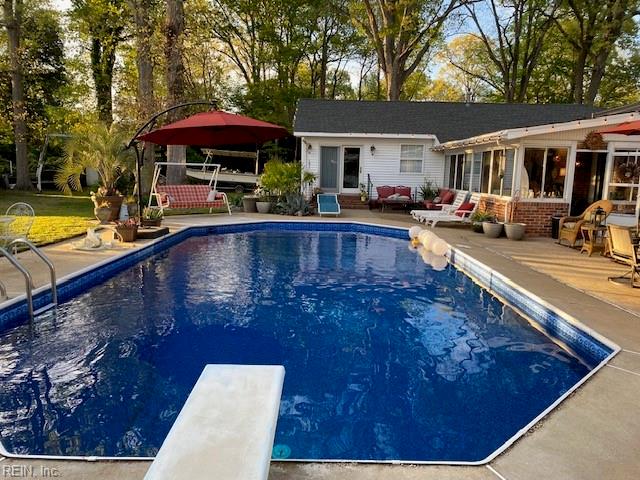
column 226, row 427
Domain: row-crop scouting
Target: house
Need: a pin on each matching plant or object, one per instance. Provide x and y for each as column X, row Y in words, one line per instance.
column 550, row 157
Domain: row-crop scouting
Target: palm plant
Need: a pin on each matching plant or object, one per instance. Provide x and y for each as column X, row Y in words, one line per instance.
column 98, row 147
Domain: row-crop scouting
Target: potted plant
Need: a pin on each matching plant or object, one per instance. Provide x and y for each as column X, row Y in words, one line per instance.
column 492, row 228
column 263, row 201
column 132, row 206
column 151, row 217
column 478, row 218
column 364, row 196
column 102, row 211
column 514, row 230
column 128, row 230
column 249, row 203
column 101, row 148
column 428, row 191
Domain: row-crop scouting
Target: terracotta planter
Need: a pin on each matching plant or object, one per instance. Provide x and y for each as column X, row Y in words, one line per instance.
column 263, row 207
column 515, row 231
column 114, row 202
column 491, row 229
column 129, row 234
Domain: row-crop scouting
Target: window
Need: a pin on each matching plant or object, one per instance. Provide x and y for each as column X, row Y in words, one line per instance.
column 459, row 165
column 452, row 171
column 485, row 172
column 466, row 173
column 456, row 167
column 411, row 158
column 544, row 173
column 625, row 177
column 497, row 172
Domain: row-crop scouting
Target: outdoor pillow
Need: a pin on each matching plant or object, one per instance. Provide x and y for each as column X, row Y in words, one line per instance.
column 437, row 200
column 569, row 225
column 384, row 191
column 403, row 191
column 465, row 207
column 448, row 197
column 213, row 196
column 394, row 196
column 403, row 198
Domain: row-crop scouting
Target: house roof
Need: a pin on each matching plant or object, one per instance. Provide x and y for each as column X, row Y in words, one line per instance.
column 446, row 120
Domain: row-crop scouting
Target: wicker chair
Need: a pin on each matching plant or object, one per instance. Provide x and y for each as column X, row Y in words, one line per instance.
column 624, row 251
column 570, row 226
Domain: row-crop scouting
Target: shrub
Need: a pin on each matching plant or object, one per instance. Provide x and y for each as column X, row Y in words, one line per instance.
column 281, row 178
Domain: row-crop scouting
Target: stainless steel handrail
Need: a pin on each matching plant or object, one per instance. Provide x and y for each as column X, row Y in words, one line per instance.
column 27, row 278
column 45, row 259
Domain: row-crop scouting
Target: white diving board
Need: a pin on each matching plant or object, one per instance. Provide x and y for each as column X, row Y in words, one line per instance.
column 226, row 428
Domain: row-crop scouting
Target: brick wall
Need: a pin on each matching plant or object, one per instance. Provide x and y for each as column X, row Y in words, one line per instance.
column 537, row 215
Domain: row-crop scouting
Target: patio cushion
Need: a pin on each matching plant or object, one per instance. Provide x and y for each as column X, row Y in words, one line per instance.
column 189, row 196
column 447, row 197
column 431, row 205
column 403, row 191
column 385, row 191
column 465, row 207
column 569, row 225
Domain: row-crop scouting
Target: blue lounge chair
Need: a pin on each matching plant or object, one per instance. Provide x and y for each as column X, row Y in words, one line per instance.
column 328, row 204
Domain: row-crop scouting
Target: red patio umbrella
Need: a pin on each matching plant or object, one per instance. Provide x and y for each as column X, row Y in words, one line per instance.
column 208, row 129
column 627, row 128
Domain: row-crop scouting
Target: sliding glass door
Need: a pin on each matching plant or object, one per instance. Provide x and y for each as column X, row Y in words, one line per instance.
column 329, row 168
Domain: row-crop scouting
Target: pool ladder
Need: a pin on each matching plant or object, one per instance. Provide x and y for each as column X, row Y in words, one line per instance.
column 28, row 279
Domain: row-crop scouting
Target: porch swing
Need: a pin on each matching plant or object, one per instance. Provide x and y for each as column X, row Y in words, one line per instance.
column 188, row 196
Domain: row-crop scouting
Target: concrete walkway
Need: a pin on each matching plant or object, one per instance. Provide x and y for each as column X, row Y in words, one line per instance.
column 594, row 434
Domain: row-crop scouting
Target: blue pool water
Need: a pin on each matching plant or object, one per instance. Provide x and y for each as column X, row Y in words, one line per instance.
column 385, row 358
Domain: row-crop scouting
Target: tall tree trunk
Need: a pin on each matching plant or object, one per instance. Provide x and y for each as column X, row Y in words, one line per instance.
column 103, row 57
column 145, row 95
column 175, row 81
column 395, row 81
column 12, row 19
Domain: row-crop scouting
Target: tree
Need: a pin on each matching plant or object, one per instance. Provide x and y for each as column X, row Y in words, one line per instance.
column 145, row 91
column 402, row 32
column 467, row 68
column 174, row 40
column 103, row 22
column 515, row 39
column 592, row 28
column 12, row 10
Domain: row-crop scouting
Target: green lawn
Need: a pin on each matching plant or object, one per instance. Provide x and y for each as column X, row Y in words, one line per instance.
column 58, row 216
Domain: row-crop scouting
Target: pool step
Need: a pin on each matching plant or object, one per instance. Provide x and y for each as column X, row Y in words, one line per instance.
column 43, row 309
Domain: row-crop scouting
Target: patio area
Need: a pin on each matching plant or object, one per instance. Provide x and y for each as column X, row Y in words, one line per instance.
column 592, row 435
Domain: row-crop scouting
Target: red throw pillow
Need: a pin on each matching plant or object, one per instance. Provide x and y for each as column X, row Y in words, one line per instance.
column 447, row 197
column 384, row 191
column 465, row 207
column 403, row 191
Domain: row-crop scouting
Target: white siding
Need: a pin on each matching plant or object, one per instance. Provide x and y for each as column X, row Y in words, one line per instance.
column 383, row 166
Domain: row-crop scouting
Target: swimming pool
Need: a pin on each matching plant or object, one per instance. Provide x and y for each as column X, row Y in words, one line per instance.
column 386, row 359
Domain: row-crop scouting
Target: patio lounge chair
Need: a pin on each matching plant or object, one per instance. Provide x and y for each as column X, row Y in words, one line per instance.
column 624, row 251
column 328, row 204
column 569, row 228
column 461, row 215
column 446, row 209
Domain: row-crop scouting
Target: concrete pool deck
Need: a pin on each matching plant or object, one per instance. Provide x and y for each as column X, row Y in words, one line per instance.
column 594, row 434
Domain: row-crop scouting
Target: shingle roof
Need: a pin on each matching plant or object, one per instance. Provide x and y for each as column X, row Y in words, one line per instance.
column 446, row 120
